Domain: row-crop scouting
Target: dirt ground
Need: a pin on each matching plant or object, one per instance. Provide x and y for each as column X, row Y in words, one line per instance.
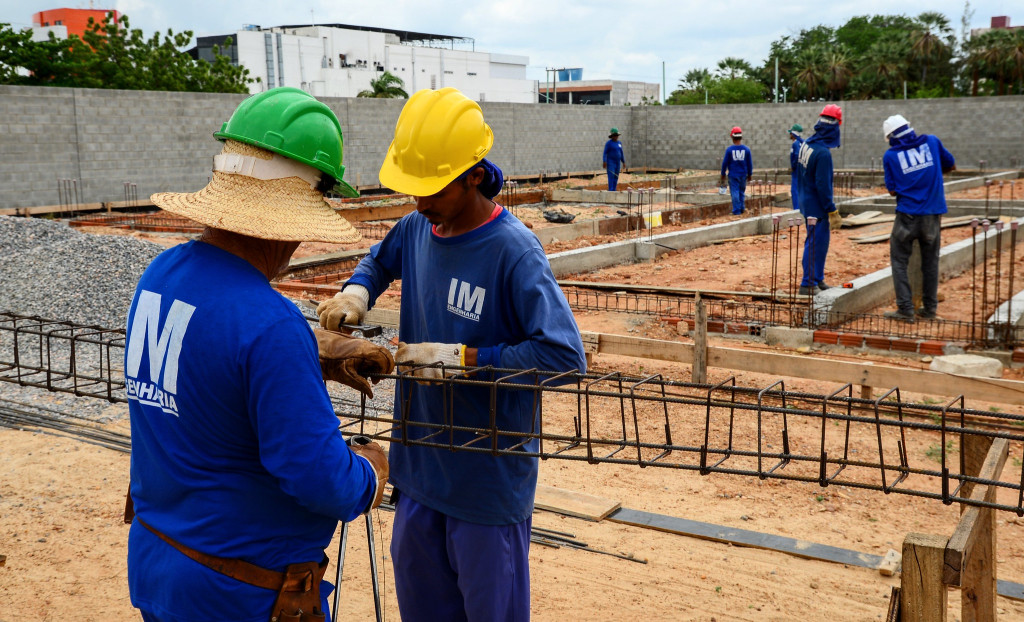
column 61, row 502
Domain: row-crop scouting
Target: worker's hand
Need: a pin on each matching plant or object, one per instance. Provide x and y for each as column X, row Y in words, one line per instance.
column 412, row 355
column 349, row 360
column 347, row 307
column 374, row 454
column 749, row 177
column 835, row 221
column 721, row 181
column 604, row 165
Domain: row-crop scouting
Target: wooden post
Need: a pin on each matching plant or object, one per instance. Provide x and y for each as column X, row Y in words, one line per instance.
column 922, row 591
column 970, row 553
column 700, row 341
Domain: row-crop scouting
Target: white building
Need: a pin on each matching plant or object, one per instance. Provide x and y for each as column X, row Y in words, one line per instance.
column 338, row 60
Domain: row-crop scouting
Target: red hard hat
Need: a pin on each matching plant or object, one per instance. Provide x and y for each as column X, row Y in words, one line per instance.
column 736, row 131
column 834, row 111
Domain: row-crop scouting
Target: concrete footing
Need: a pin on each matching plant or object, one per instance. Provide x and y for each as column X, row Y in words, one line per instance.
column 968, row 365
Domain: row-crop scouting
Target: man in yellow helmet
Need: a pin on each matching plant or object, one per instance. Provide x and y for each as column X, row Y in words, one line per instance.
column 477, row 291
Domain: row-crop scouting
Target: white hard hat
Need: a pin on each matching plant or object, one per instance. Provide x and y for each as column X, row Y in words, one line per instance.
column 892, row 124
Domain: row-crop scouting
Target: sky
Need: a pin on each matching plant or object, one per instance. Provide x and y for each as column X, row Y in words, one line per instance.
column 620, row 40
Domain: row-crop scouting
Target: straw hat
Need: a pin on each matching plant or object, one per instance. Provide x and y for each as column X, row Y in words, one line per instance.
column 283, row 208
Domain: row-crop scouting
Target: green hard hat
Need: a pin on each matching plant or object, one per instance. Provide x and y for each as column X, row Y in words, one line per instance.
column 293, row 123
column 614, row 132
column 796, row 129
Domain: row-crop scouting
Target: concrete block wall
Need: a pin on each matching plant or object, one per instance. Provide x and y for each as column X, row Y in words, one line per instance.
column 163, row 141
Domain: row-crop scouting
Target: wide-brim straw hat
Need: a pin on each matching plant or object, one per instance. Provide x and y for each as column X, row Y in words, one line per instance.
column 287, row 209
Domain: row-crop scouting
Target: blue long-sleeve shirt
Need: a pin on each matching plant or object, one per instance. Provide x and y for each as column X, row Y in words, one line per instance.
column 738, row 161
column 235, row 445
column 490, row 289
column 794, row 155
column 815, row 179
column 912, row 172
column 614, row 158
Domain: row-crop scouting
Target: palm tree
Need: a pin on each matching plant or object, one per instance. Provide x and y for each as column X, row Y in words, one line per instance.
column 931, row 39
column 1015, row 58
column 732, row 67
column 809, row 73
column 885, row 66
column 695, row 79
column 996, row 56
column 386, row 86
column 837, row 72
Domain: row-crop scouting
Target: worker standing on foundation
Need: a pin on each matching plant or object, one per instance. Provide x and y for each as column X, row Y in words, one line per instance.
column 816, row 200
column 913, row 166
column 239, row 474
column 477, row 291
column 740, row 166
column 794, row 154
column 614, row 159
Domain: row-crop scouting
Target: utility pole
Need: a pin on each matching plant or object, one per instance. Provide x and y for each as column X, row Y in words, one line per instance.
column 776, row 79
column 663, row 89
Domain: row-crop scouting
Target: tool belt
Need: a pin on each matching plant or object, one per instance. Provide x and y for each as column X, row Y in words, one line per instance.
column 298, row 587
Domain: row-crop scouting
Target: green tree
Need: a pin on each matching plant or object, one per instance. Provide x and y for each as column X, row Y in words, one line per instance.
column 112, row 55
column 386, row 86
column 809, row 76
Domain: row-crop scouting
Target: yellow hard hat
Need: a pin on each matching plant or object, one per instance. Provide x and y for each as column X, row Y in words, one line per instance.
column 439, row 135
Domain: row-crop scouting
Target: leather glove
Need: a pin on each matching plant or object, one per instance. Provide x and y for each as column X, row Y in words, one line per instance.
column 349, row 360
column 374, row 454
column 835, row 221
column 415, row 354
column 347, row 307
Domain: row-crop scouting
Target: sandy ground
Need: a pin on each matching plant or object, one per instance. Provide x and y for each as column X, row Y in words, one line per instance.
column 61, row 502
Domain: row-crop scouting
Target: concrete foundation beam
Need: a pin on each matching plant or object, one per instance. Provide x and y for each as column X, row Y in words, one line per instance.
column 605, row 255
column 874, row 289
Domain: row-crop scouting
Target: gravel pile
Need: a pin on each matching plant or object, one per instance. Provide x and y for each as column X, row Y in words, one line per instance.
column 51, row 270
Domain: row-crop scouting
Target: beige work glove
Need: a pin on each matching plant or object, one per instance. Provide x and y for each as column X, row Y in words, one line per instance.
column 347, row 307
column 349, row 360
column 374, row 454
column 835, row 221
column 411, row 355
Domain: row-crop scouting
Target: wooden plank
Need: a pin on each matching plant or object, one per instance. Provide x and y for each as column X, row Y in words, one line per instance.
column 743, row 537
column 890, row 563
column 893, row 614
column 376, row 212
column 922, row 592
column 964, row 538
column 574, row 503
column 382, row 317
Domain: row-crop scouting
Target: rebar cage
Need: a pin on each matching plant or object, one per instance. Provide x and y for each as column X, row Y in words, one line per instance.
column 884, row 443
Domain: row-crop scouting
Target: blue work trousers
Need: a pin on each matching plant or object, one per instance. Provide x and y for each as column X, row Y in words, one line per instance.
column 457, row 571
column 613, row 178
column 815, row 251
column 737, row 189
column 793, row 193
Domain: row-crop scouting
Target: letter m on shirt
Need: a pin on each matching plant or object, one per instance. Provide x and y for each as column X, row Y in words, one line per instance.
column 162, row 344
column 464, row 296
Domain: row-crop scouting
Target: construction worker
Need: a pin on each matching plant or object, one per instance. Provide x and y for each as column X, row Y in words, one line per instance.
column 477, row 291
column 239, row 474
column 614, row 159
column 740, row 166
column 815, row 171
column 914, row 165
column 794, row 154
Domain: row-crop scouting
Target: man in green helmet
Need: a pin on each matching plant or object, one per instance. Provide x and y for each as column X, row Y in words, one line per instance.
column 239, row 474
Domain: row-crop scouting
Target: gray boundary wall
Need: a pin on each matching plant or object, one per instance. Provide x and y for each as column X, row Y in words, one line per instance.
column 162, row 141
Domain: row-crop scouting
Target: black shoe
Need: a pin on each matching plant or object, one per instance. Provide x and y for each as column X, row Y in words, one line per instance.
column 899, row 315
column 822, row 286
column 807, row 290
column 925, row 315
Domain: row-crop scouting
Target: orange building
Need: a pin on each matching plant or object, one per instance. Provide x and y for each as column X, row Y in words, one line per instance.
column 75, row 20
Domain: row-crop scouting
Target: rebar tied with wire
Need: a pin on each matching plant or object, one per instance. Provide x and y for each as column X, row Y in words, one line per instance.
column 765, row 432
